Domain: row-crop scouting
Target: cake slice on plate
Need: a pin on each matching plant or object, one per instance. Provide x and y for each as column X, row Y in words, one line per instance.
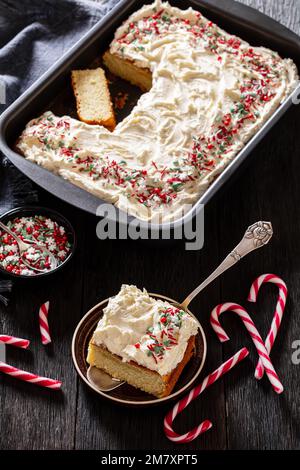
column 144, row 341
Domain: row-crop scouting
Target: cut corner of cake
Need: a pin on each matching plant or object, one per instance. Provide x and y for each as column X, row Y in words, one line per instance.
column 143, row 341
column 128, row 70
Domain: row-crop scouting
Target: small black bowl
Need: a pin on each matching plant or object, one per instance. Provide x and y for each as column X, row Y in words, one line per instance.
column 27, row 211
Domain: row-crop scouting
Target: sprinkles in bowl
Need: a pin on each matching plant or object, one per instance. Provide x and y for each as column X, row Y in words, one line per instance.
column 36, row 230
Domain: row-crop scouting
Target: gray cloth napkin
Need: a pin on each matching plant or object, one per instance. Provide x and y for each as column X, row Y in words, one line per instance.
column 33, row 35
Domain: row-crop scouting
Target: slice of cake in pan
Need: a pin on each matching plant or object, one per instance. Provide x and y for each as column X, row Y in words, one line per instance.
column 145, row 341
column 93, row 98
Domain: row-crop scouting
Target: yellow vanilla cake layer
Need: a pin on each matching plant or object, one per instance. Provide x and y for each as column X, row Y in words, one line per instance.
column 138, row 376
column 92, row 97
column 141, row 77
column 211, row 92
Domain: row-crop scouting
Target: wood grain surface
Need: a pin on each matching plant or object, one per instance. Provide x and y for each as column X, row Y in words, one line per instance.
column 246, row 414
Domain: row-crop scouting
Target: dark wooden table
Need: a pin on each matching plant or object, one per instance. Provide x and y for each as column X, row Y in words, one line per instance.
column 246, row 414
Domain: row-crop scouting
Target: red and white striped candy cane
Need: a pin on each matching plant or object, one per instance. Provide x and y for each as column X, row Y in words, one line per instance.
column 264, row 278
column 13, row 341
column 29, row 377
column 43, row 321
column 256, row 338
column 194, row 393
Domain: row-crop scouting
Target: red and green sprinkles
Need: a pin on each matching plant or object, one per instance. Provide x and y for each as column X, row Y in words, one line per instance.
column 169, row 324
column 159, row 185
column 39, row 230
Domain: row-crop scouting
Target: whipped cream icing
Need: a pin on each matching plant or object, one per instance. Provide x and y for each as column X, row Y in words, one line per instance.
column 149, row 331
column 211, row 92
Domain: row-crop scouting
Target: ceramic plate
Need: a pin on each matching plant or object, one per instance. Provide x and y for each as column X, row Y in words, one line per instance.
column 126, row 394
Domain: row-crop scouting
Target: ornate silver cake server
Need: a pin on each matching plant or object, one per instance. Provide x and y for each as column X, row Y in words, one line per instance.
column 102, row 380
column 256, row 236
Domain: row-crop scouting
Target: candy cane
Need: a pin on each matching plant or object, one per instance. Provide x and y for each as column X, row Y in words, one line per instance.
column 194, row 393
column 264, row 278
column 44, row 326
column 256, row 338
column 29, row 377
column 12, row 340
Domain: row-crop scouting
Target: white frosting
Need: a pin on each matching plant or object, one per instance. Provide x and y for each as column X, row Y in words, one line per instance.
column 211, row 92
column 124, row 330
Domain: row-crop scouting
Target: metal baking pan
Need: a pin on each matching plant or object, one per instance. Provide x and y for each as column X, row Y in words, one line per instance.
column 54, row 87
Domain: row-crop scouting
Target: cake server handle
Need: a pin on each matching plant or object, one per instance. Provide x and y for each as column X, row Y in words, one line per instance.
column 256, row 236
